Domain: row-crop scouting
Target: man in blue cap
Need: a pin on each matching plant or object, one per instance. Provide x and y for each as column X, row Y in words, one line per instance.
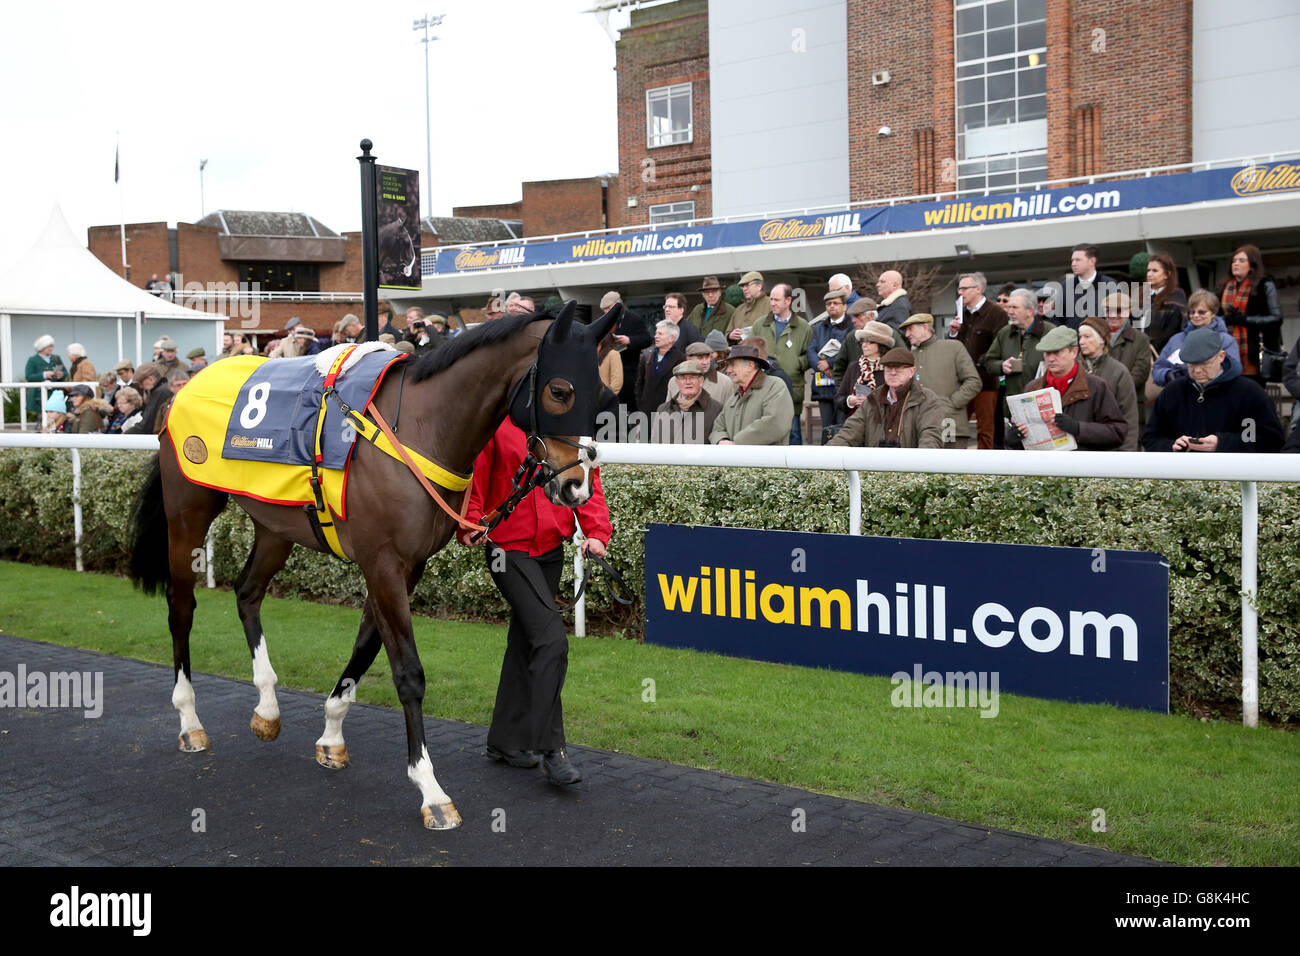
column 1212, row 408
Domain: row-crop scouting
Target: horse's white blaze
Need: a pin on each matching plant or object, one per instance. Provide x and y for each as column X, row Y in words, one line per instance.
column 421, row 774
column 183, row 700
column 268, row 708
column 336, row 708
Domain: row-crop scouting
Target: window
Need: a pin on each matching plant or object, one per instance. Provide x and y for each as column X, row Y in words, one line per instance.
column 1001, row 62
column 668, row 115
column 668, row 213
column 281, row 276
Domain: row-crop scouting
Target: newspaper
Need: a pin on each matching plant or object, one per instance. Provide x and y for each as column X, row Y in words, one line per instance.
column 1037, row 410
column 828, row 352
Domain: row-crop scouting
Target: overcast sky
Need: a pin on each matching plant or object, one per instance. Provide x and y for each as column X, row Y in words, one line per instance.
column 277, row 96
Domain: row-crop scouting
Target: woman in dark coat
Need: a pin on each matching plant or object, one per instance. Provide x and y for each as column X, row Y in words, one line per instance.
column 1251, row 309
column 1168, row 302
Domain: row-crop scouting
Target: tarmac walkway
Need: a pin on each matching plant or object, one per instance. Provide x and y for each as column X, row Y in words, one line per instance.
column 115, row 791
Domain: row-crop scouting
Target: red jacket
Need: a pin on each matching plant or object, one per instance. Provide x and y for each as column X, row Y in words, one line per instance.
column 536, row 526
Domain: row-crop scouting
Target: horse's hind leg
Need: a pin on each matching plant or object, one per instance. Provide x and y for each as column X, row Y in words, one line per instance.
column 331, row 752
column 190, row 512
column 270, row 552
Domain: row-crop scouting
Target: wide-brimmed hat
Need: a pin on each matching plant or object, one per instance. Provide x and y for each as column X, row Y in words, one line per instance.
column 749, row 277
column 921, row 318
column 751, row 353
column 716, row 341
column 1061, row 337
column 710, row 283
column 1200, row 345
column 877, row 332
column 898, row 357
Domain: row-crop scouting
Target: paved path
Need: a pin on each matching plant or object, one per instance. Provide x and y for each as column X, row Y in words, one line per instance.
column 115, row 791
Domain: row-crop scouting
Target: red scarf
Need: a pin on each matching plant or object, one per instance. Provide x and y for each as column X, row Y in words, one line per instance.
column 1061, row 384
column 1237, row 295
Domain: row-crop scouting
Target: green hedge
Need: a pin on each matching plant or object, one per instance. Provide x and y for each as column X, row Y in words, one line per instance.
column 1197, row 526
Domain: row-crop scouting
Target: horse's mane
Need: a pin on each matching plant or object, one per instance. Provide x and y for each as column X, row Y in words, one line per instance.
column 485, row 333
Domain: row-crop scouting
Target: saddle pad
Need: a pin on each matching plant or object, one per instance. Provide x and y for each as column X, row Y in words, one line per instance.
column 274, row 414
column 197, row 423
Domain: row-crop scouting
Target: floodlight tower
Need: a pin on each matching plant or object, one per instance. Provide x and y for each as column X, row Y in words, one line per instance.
column 426, row 23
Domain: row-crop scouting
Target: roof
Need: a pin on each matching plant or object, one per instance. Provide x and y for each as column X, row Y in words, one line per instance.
column 60, row 276
column 454, row 230
column 241, row 222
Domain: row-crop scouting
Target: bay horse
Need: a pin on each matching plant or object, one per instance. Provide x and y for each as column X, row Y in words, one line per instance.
column 542, row 372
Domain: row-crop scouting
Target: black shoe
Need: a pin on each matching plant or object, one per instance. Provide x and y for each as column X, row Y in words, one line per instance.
column 515, row 758
column 558, row 768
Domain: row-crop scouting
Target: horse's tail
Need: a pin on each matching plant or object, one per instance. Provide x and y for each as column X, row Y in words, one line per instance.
column 150, row 563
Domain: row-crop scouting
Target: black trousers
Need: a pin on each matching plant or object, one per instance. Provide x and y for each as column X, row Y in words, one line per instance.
column 528, row 714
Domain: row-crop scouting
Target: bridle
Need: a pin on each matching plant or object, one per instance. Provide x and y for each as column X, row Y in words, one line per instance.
column 535, row 469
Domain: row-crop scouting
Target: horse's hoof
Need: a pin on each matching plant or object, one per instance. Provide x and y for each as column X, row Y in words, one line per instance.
column 444, row 817
column 263, row 728
column 332, row 756
column 194, row 741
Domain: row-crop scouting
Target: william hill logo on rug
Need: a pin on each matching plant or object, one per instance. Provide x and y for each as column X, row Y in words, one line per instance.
column 797, row 227
column 239, row 441
column 1266, row 179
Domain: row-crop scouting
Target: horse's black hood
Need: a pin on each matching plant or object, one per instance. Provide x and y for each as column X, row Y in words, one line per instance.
column 567, row 355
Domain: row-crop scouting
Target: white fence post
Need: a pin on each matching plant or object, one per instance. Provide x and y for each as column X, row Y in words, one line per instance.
column 76, row 505
column 1249, row 614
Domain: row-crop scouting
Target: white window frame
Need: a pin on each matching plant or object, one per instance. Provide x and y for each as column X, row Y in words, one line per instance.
column 1027, row 156
column 672, row 137
column 670, row 213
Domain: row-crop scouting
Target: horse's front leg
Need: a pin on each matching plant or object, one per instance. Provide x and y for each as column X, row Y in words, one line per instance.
column 393, row 617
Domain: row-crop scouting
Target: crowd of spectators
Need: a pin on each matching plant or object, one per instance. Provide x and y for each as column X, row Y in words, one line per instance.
column 1112, row 350
column 1136, row 365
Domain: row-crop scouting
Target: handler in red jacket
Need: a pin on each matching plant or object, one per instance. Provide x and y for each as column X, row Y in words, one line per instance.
column 525, row 557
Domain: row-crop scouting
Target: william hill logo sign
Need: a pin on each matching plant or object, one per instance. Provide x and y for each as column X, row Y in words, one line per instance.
column 797, row 227
column 482, row 259
column 1266, row 179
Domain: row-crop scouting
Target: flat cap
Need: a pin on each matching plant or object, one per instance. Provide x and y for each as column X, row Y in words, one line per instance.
column 196, row 353
column 687, row 368
column 1061, row 337
column 863, row 306
column 898, row 357
column 749, row 277
column 920, row 318
column 1201, row 345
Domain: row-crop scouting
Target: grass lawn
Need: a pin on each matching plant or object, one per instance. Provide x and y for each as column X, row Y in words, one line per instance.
column 1171, row 788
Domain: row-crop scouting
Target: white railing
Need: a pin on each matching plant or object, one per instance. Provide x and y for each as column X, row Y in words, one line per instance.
column 1243, row 468
column 44, row 388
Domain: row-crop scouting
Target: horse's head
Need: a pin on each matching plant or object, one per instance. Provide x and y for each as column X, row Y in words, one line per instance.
column 556, row 404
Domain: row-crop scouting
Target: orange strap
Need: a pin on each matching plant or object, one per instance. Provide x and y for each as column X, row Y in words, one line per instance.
column 428, row 486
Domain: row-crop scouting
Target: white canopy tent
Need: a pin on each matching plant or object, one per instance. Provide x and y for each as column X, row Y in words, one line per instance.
column 59, row 288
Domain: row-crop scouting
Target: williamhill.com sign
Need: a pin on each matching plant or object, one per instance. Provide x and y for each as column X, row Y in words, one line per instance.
column 1063, row 623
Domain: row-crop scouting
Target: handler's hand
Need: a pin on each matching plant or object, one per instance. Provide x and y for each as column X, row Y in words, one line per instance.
column 594, row 546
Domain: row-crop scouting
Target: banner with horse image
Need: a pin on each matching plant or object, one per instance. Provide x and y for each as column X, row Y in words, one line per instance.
column 398, row 221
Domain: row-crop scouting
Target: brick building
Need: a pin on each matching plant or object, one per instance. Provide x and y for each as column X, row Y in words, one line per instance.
column 664, row 148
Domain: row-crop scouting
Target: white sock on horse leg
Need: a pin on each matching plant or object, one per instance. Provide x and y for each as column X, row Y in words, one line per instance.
column 264, row 679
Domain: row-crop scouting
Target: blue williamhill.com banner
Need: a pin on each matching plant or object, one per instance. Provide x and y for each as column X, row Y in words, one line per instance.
column 1119, row 195
column 1072, row 624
